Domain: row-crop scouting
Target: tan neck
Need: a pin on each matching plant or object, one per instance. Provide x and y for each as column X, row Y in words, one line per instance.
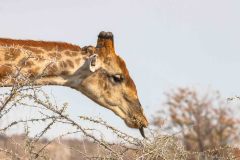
column 43, row 63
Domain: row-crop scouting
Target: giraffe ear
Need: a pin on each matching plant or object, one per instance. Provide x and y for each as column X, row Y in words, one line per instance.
column 93, row 63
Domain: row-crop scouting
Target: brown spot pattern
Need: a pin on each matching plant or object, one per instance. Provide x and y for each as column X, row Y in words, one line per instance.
column 67, row 53
column 64, row 73
column 12, row 54
column 39, row 57
column 70, row 63
column 52, row 70
column 5, row 70
column 63, row 64
column 78, row 60
column 29, row 63
column 56, row 55
column 71, row 53
column 24, row 62
column 33, row 72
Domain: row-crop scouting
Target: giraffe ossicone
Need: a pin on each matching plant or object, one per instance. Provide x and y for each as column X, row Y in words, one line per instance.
column 97, row 72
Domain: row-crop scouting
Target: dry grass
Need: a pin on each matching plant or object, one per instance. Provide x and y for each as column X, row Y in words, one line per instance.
column 163, row 147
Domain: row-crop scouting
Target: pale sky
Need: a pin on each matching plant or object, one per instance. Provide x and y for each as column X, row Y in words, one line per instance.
column 165, row 43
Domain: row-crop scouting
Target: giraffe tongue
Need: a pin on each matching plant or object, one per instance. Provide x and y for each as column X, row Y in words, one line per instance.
column 142, row 132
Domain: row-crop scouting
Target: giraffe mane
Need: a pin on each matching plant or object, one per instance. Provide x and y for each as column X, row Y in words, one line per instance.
column 46, row 45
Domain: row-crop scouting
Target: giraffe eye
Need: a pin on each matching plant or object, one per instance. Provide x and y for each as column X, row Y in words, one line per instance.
column 117, row 78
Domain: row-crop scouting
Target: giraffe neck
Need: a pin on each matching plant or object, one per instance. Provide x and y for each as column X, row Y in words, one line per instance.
column 43, row 63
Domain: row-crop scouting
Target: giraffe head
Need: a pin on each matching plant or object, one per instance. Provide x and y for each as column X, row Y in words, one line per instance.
column 110, row 85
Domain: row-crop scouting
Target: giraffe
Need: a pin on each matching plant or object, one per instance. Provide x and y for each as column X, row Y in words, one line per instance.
column 97, row 72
